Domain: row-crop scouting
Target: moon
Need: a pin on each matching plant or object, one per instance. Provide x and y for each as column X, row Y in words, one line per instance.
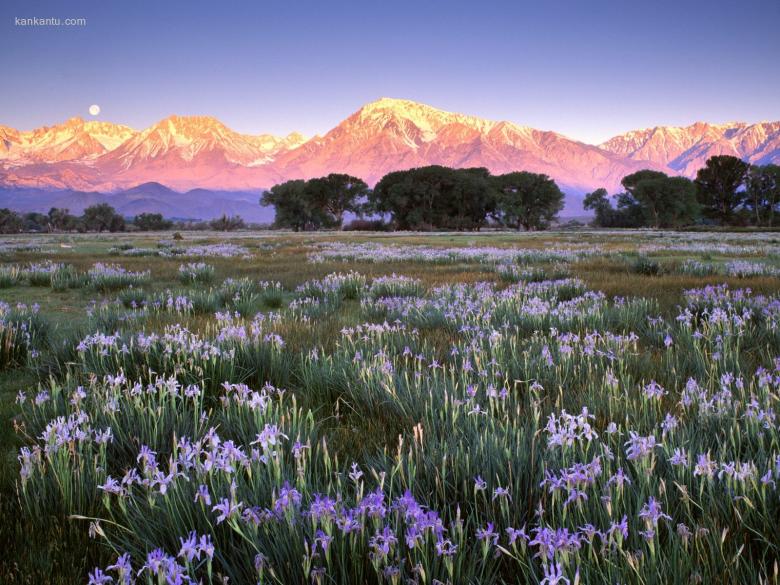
column 94, row 109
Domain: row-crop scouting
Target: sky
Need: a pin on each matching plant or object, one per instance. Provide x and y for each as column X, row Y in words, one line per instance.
column 587, row 69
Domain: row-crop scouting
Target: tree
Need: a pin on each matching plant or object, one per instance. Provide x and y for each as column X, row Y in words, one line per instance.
column 598, row 203
column 10, row 222
column 718, row 184
column 227, row 223
column 467, row 197
column 435, row 197
column 527, row 200
column 151, row 222
column 664, row 201
column 36, row 222
column 61, row 220
column 408, row 196
column 762, row 193
column 102, row 217
column 334, row 195
column 627, row 215
column 291, row 207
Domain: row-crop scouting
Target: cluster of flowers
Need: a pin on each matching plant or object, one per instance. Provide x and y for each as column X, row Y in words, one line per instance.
column 223, row 250
column 369, row 252
column 737, row 268
column 113, row 276
column 196, row 272
column 248, row 482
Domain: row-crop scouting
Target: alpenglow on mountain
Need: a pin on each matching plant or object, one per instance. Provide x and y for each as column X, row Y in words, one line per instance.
column 199, row 152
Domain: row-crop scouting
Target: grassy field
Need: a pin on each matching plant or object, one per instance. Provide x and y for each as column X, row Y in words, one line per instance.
column 552, row 407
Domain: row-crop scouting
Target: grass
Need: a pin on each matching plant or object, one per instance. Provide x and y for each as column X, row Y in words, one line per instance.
column 359, row 410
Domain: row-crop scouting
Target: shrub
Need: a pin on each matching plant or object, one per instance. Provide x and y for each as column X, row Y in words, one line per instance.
column 646, row 266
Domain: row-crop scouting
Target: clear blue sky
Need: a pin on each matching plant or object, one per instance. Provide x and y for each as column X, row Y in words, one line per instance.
column 588, row 69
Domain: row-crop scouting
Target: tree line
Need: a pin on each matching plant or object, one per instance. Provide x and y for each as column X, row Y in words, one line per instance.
column 432, row 197
column 102, row 217
column 726, row 191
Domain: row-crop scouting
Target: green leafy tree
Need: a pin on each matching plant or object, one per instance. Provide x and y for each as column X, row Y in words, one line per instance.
column 718, row 186
column 628, row 213
column 666, row 201
column 61, row 220
column 151, row 222
column 762, row 194
column 435, row 197
column 598, row 203
column 291, row 206
column 36, row 222
column 10, row 221
column 467, row 198
column 102, row 217
column 334, row 195
column 527, row 200
column 408, row 201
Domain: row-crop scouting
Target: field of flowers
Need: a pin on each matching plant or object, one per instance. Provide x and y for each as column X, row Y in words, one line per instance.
column 553, row 408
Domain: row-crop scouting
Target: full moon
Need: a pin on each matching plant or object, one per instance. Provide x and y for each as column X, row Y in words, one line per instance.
column 94, row 109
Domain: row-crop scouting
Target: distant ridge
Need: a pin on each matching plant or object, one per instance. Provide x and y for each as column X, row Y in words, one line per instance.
column 197, row 204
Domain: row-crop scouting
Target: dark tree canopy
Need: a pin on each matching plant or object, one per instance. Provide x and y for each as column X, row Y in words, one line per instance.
column 527, row 200
column 666, row 201
column 717, row 186
column 762, row 194
column 102, row 217
column 61, row 220
column 334, row 195
column 628, row 213
column 316, row 203
column 435, row 197
column 150, row 222
column 10, row 221
column 227, row 223
column 291, row 206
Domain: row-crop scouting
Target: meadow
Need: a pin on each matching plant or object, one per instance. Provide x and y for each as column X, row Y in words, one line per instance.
column 277, row 408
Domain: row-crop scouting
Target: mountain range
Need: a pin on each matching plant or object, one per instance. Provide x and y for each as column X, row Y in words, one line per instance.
column 195, row 166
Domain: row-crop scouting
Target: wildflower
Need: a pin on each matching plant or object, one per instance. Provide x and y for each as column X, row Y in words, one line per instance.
column 98, row 577
column 226, row 509
column 124, row 569
column 355, row 474
column 501, row 492
column 679, row 458
column 514, row 534
column 654, row 390
column 189, row 548
column 445, row 548
column 669, row 424
column 553, row 575
column 651, row 512
column 619, row 478
column 620, row 528
column 705, row 466
column 684, row 532
column 323, row 540
column 206, row 547
column 202, row 495
column 383, row 541
column 487, row 535
column 639, row 447
column 112, row 486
